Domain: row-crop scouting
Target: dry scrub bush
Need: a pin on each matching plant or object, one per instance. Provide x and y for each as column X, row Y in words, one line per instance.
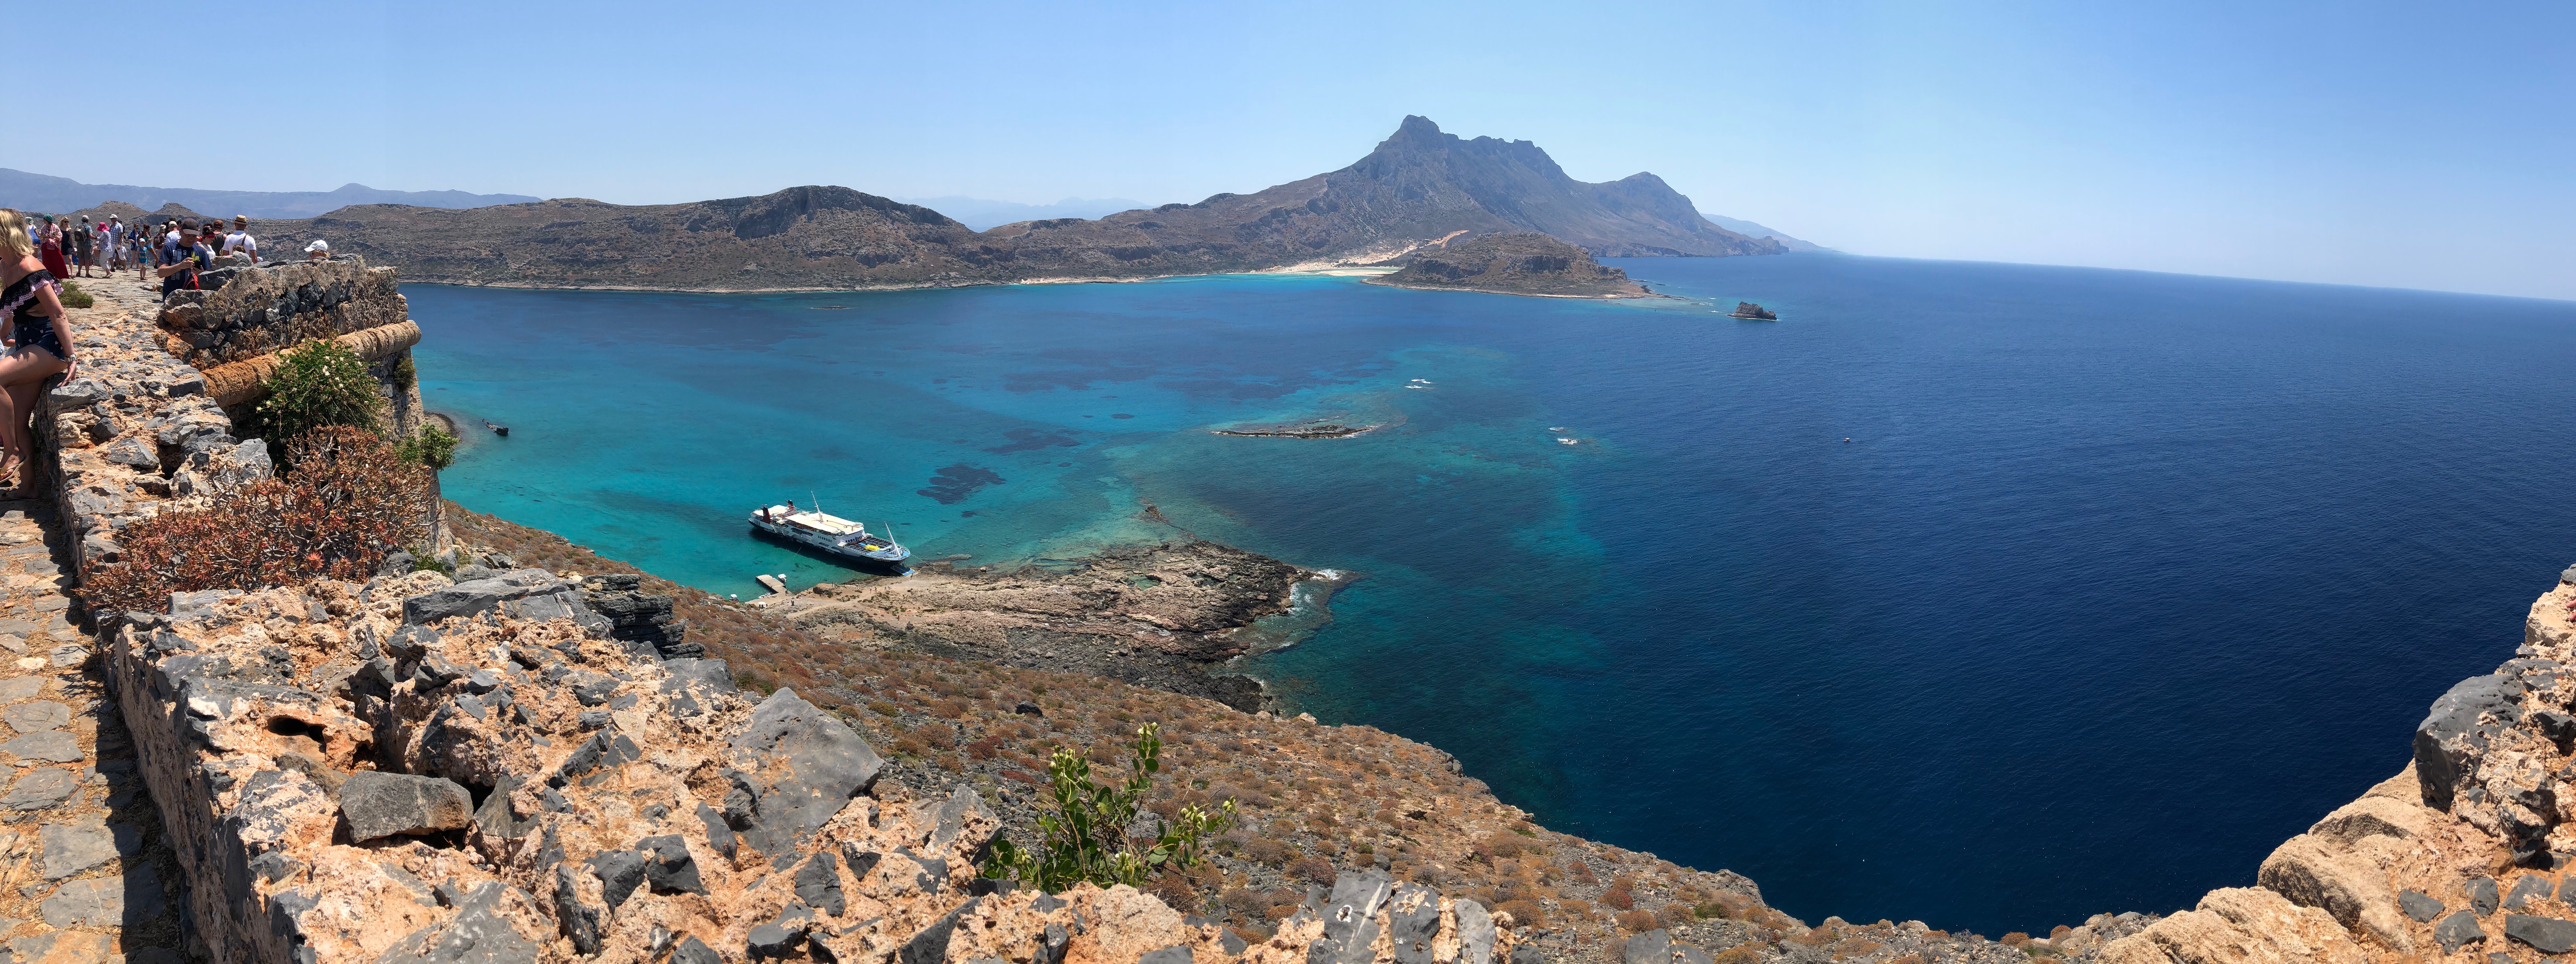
column 1674, row 914
column 1620, row 898
column 2016, row 939
column 1636, row 921
column 1525, row 913
column 349, row 500
column 1746, row 954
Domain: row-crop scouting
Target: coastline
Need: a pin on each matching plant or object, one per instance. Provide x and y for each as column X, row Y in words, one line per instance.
column 1290, row 272
column 1642, row 292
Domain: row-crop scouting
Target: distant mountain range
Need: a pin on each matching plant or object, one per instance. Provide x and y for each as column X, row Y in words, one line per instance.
column 1418, row 187
column 1752, row 230
column 983, row 215
column 58, row 195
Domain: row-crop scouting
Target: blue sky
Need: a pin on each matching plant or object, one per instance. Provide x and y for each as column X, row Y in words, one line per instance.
column 2405, row 145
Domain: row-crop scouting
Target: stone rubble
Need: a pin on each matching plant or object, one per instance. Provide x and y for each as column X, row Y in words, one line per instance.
column 422, row 769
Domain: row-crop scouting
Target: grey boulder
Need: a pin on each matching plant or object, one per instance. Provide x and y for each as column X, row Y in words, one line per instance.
column 2548, row 934
column 2456, row 930
column 2528, row 888
column 2419, row 905
column 384, row 804
column 2482, row 895
column 668, row 868
column 808, row 765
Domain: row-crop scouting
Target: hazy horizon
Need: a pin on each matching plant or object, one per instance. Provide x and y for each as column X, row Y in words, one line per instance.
column 2280, row 143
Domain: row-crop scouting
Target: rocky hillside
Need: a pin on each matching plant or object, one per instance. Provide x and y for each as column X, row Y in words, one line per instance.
column 1318, row 800
column 1514, row 264
column 1417, row 187
column 2463, row 855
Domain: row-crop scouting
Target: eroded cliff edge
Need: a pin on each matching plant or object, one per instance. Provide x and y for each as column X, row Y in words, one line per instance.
column 2463, row 855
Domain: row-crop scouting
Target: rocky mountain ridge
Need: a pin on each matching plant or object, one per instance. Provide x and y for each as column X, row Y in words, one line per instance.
column 40, row 192
column 1418, row 186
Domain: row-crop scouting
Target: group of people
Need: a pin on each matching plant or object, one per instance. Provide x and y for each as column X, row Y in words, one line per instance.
column 73, row 247
column 36, row 256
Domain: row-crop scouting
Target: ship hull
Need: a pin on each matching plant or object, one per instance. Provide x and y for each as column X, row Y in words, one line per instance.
column 829, row 545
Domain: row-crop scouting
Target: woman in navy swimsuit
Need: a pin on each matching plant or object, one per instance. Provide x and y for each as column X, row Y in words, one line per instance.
column 30, row 299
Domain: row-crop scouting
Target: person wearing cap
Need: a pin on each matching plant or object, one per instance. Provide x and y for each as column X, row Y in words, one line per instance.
column 180, row 260
column 319, row 250
column 239, row 241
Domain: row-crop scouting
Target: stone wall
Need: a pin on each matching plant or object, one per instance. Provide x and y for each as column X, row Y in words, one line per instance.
column 2467, row 851
column 412, row 769
column 134, row 432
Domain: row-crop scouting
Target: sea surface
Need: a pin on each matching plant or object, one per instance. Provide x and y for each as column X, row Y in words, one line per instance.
column 1992, row 596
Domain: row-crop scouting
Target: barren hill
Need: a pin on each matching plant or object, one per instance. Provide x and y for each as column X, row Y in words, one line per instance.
column 1418, row 186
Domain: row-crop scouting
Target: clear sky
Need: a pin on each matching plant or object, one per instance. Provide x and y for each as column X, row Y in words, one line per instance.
column 2397, row 144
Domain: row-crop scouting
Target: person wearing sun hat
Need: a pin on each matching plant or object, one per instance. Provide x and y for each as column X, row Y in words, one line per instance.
column 319, row 250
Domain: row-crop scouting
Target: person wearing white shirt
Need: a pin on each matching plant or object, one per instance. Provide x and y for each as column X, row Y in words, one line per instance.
column 240, row 240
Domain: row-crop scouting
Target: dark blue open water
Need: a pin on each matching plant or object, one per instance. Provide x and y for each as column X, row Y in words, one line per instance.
column 2120, row 579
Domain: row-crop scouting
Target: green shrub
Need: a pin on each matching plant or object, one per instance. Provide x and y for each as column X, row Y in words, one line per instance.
column 318, row 384
column 434, row 448
column 404, row 375
column 1085, row 837
column 73, row 297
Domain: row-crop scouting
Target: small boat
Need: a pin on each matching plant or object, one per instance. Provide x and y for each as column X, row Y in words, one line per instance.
column 500, row 430
column 830, row 533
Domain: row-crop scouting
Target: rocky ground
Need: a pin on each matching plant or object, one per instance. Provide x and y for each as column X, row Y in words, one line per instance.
column 1316, row 800
column 84, row 860
column 1513, row 264
column 1165, row 616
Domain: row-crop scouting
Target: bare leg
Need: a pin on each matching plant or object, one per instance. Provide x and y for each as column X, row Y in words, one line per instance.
column 22, row 372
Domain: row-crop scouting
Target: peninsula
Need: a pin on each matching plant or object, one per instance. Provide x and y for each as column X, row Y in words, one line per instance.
column 1417, row 186
column 1513, row 264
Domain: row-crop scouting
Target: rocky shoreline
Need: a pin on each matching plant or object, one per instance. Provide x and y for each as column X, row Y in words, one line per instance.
column 1167, row 616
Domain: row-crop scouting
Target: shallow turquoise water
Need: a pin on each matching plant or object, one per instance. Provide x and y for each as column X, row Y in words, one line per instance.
column 2119, row 579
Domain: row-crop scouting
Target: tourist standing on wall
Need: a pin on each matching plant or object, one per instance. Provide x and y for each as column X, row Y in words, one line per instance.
column 240, row 240
column 39, row 333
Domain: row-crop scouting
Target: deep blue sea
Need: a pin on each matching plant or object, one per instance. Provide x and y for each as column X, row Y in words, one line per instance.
column 1989, row 595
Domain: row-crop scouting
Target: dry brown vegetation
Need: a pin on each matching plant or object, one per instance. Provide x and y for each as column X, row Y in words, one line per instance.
column 1315, row 800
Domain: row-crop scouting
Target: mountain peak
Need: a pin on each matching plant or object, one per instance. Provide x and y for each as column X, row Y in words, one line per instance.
column 1417, row 127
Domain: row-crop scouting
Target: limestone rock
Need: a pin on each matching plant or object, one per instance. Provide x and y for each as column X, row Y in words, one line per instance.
column 2315, row 872
column 383, row 804
column 2239, row 926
